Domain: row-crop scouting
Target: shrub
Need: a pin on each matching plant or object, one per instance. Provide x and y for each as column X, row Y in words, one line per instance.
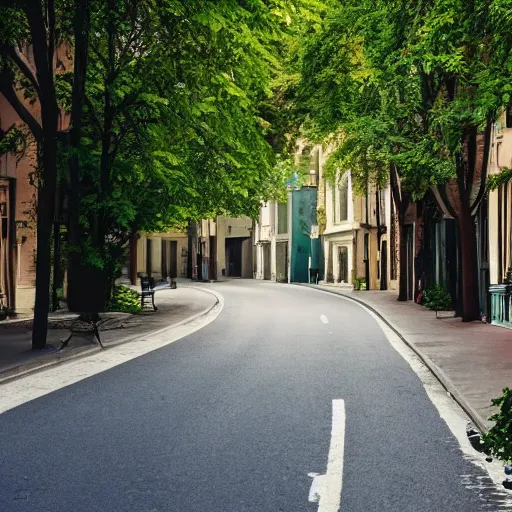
column 436, row 298
column 124, row 300
column 499, row 437
column 360, row 283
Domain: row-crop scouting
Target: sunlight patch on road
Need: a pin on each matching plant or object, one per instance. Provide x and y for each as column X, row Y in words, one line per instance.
column 25, row 389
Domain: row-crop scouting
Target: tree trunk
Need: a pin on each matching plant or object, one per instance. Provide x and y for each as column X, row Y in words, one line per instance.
column 45, row 215
column 468, row 243
column 81, row 31
column 42, row 43
column 133, row 258
column 56, row 265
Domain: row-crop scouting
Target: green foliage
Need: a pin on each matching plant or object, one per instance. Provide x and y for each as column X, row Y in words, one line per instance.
column 495, row 181
column 124, row 300
column 63, row 90
column 177, row 95
column 360, row 283
column 13, row 140
column 499, row 437
column 390, row 83
column 437, row 298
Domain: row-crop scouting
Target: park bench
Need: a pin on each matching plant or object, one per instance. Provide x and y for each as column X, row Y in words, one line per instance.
column 147, row 294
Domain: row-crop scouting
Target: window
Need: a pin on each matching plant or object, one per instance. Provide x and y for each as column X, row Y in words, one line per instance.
column 343, row 202
column 309, row 164
column 366, row 255
column 340, row 200
column 282, row 218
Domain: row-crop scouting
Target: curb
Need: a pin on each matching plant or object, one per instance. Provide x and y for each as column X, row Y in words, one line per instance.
column 443, row 379
column 54, row 359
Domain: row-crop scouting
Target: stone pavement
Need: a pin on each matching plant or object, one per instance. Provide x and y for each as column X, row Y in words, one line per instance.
column 474, row 359
column 174, row 306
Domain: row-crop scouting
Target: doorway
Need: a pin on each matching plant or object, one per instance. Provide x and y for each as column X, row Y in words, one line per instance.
column 282, row 262
column 409, row 232
column 149, row 256
column 173, row 259
column 213, row 261
column 267, row 272
column 234, row 257
column 384, row 266
column 342, row 265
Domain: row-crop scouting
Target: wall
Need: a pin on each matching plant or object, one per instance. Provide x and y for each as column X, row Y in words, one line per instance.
column 500, row 157
column 156, row 260
column 227, row 227
column 21, row 167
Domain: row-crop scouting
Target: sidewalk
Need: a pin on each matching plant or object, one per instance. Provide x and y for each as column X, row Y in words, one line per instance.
column 174, row 306
column 472, row 360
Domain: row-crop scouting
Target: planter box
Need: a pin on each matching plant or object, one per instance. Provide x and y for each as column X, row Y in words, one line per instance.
column 501, row 305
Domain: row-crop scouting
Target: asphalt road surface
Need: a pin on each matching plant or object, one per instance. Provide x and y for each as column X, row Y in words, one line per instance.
column 286, row 385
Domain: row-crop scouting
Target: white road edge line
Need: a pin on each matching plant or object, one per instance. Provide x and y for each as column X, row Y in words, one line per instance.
column 326, row 489
column 448, row 409
column 324, row 319
column 36, row 385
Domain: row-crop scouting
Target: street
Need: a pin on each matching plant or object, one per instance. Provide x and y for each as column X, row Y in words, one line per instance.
column 288, row 398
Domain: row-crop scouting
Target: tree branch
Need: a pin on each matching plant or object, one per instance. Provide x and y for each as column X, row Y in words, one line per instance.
column 6, row 88
column 51, row 33
column 92, row 112
column 24, row 66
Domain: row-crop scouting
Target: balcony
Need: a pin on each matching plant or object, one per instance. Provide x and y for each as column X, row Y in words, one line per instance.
column 501, row 305
column 263, row 234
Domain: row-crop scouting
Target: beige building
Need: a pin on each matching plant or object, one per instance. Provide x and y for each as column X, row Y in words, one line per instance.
column 223, row 248
column 271, row 242
column 500, row 202
column 159, row 255
column 355, row 231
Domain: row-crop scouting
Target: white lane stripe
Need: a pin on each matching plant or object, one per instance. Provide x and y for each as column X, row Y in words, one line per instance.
column 326, row 489
column 324, row 319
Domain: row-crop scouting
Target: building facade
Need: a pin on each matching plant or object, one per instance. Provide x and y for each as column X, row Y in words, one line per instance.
column 355, row 232
column 161, row 256
column 221, row 247
column 17, row 214
column 271, row 237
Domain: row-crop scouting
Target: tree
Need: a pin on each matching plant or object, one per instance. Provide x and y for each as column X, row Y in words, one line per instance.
column 408, row 87
column 356, row 94
column 30, row 27
column 462, row 53
column 173, row 131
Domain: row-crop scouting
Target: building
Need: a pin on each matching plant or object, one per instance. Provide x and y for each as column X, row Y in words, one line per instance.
column 271, row 239
column 495, row 242
column 158, row 255
column 221, row 247
column 287, row 246
column 17, row 214
column 355, row 232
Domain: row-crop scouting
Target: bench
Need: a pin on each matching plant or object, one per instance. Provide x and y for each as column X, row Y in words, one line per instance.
column 147, row 294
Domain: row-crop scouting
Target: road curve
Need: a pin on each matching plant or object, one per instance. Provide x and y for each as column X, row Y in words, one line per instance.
column 236, row 416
